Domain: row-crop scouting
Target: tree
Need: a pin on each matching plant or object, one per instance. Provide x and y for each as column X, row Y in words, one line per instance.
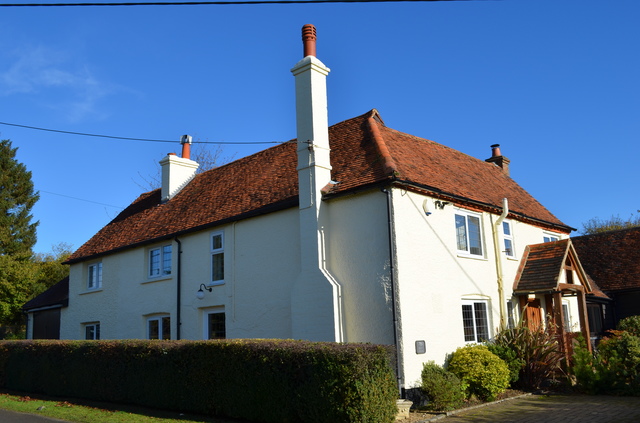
column 17, row 198
column 17, row 235
column 596, row 225
column 50, row 269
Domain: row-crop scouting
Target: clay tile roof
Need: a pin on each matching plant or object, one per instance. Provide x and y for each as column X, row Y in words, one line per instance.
column 611, row 258
column 58, row 294
column 364, row 152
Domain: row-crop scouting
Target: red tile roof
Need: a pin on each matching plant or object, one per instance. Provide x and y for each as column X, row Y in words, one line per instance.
column 364, row 152
column 542, row 264
column 611, row 258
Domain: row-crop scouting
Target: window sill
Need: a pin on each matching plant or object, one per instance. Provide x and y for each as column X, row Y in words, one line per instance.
column 471, row 256
column 216, row 283
column 157, row 279
column 91, row 291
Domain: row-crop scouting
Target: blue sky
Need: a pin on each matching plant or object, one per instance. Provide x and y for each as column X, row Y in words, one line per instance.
column 554, row 82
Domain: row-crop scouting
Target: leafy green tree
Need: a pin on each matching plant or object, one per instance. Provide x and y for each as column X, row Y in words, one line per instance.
column 50, row 269
column 597, row 225
column 17, row 198
column 17, row 235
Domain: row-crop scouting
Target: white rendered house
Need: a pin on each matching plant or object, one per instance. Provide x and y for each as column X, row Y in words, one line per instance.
column 353, row 233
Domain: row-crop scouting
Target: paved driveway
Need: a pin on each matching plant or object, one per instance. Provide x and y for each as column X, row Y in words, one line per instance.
column 13, row 417
column 554, row 409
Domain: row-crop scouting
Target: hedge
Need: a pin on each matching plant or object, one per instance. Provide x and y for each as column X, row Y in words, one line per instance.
column 257, row 380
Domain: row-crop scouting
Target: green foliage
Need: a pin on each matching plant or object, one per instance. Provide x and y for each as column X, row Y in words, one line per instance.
column 510, row 357
column 537, row 351
column 485, row 374
column 16, row 285
column 256, row 380
column 630, row 324
column 597, row 225
column 50, row 267
column 17, row 198
column 443, row 388
column 614, row 369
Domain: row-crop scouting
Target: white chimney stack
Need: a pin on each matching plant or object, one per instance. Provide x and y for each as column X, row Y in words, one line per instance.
column 177, row 171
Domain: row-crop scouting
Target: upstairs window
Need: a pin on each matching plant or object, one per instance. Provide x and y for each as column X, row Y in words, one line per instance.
column 94, row 280
column 549, row 238
column 217, row 258
column 475, row 319
column 509, row 248
column 159, row 327
column 468, row 234
column 160, row 261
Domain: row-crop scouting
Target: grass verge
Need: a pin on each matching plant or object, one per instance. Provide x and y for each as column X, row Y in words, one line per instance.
column 93, row 412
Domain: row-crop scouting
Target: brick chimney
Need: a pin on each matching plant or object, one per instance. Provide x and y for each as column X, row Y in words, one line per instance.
column 498, row 159
column 177, row 171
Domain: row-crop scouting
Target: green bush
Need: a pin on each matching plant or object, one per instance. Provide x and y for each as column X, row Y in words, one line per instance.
column 537, row 351
column 485, row 374
column 630, row 324
column 255, row 380
column 510, row 357
column 443, row 388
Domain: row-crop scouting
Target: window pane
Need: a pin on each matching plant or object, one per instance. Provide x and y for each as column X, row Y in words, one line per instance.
column 97, row 331
column 474, row 235
column 154, row 329
column 89, row 332
column 508, row 247
column 467, row 321
column 154, row 262
column 166, row 260
column 482, row 325
column 216, row 326
column 217, row 242
column 217, row 267
column 506, row 228
column 461, row 233
column 166, row 327
column 511, row 323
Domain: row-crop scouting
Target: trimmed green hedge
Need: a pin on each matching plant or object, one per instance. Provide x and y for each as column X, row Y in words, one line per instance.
column 258, row 380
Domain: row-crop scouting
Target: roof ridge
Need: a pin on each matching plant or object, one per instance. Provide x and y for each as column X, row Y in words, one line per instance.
column 389, row 165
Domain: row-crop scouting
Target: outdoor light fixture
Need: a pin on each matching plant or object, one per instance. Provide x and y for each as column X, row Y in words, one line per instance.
column 440, row 204
column 200, row 293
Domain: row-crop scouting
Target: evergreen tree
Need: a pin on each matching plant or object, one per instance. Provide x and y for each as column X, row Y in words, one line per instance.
column 17, row 198
column 17, row 235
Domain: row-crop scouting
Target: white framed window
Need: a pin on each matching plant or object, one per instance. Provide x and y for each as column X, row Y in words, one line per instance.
column 159, row 327
column 215, row 325
column 217, row 258
column 469, row 233
column 550, row 238
column 160, row 261
column 94, row 278
column 509, row 245
column 475, row 319
column 566, row 317
column 92, row 331
column 511, row 319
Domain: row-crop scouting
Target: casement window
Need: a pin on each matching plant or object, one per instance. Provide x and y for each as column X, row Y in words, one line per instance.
column 160, row 261
column 215, row 326
column 507, row 233
column 94, row 279
column 468, row 234
column 217, row 258
column 475, row 318
column 159, row 327
column 549, row 238
column 92, row 331
column 566, row 317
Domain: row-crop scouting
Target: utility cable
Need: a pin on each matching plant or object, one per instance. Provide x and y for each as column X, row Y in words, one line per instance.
column 209, row 3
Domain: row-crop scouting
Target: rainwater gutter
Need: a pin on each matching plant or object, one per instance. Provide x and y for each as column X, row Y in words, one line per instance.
column 496, row 247
column 392, row 281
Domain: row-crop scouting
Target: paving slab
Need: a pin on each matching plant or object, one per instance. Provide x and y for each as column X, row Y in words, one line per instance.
column 554, row 409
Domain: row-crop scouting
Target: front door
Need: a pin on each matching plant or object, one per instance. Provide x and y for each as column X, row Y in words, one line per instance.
column 533, row 314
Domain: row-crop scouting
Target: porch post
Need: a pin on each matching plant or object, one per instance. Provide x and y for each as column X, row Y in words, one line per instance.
column 584, row 319
column 558, row 317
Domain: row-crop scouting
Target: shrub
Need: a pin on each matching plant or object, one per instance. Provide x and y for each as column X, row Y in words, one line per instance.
column 443, row 388
column 485, row 374
column 630, row 324
column 510, row 357
column 537, row 350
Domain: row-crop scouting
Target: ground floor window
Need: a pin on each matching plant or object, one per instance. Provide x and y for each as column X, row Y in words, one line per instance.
column 215, row 325
column 92, row 331
column 475, row 318
column 159, row 327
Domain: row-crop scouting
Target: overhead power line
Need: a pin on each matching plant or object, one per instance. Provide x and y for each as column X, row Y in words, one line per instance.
column 205, row 3
column 81, row 199
column 137, row 139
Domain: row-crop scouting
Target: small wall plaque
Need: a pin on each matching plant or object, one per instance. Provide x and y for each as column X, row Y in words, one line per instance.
column 421, row 347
